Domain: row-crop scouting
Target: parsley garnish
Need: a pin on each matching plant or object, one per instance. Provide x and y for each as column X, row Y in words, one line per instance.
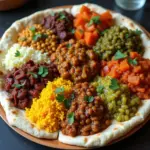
column 89, row 98
column 17, row 54
column 132, row 61
column 18, row 85
column 100, row 89
column 72, row 31
column 59, row 90
column 114, row 84
column 62, row 16
column 68, row 45
column 33, row 29
column 119, row 55
column 39, row 36
column 34, row 75
column 70, row 117
column 94, row 20
column 126, row 35
column 103, row 32
column 138, row 32
column 60, row 98
column 43, row 71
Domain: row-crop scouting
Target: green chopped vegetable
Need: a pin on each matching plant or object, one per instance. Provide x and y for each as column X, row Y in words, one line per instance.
column 60, row 98
column 62, row 16
column 72, row 31
column 70, row 117
column 34, row 75
column 59, row 90
column 89, row 98
column 43, row 71
column 33, row 29
column 39, row 36
column 138, row 32
column 119, row 55
column 100, row 89
column 94, row 20
column 17, row 54
column 114, row 84
column 18, row 85
column 132, row 61
column 68, row 45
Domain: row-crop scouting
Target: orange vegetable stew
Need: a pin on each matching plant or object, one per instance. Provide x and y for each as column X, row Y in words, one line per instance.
column 133, row 71
column 90, row 24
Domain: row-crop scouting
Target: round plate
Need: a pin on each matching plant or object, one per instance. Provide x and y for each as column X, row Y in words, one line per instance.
column 56, row 143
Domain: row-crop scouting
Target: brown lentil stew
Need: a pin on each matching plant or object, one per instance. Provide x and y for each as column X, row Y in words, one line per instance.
column 38, row 38
column 75, row 61
column 61, row 23
column 27, row 82
column 89, row 116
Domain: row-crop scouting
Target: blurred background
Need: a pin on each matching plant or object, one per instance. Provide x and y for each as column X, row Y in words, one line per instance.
column 9, row 140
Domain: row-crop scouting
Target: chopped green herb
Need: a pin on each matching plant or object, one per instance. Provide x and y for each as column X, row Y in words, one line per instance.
column 39, row 36
column 126, row 36
column 119, row 55
column 94, row 20
column 59, row 90
column 100, row 89
column 70, row 117
column 34, row 75
column 68, row 45
column 60, row 98
column 72, row 31
column 18, row 85
column 103, row 32
column 43, row 71
column 132, row 61
column 33, row 29
column 17, row 54
column 138, row 32
column 62, row 16
column 89, row 98
column 67, row 103
column 114, row 84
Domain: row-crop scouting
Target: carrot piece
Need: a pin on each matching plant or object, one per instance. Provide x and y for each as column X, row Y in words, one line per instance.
column 96, row 35
column 106, row 16
column 89, row 28
column 79, row 21
column 135, row 80
column 86, row 16
column 95, row 14
column 113, row 73
column 124, row 66
column 79, row 34
column 89, row 38
column 85, row 9
column 134, row 54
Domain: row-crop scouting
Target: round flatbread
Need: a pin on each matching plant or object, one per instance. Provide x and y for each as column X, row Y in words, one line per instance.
column 16, row 117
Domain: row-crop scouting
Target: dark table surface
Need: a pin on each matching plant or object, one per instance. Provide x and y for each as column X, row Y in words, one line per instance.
column 9, row 140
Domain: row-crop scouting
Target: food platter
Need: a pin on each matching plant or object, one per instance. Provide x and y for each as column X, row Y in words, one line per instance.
column 56, row 143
